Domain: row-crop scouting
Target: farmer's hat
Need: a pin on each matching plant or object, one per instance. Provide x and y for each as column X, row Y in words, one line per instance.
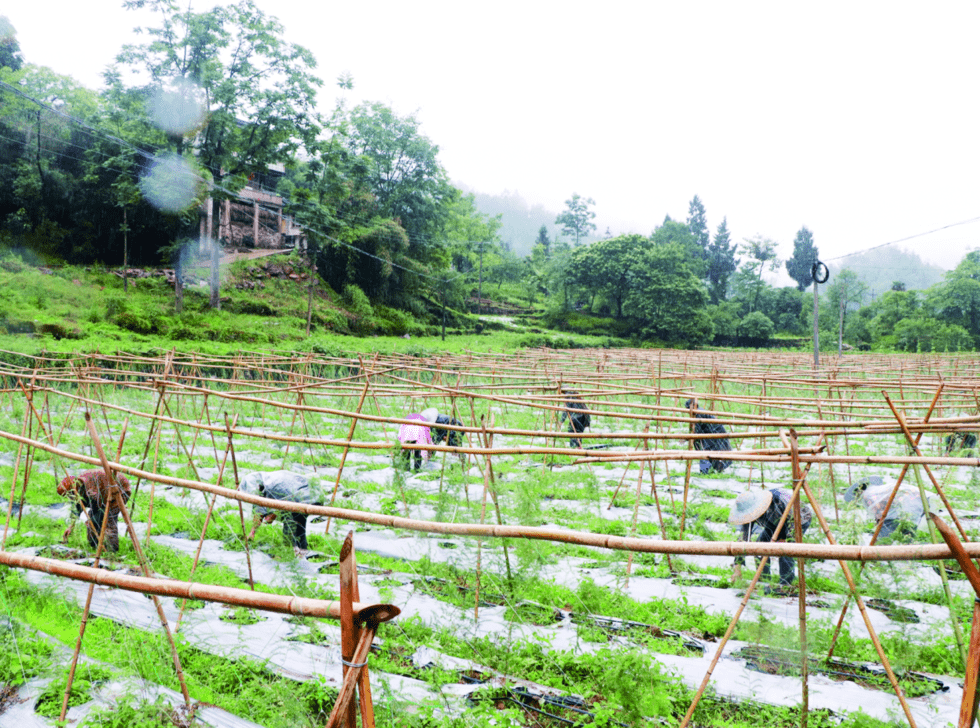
column 67, row 484
column 749, row 506
column 430, row 414
column 862, row 485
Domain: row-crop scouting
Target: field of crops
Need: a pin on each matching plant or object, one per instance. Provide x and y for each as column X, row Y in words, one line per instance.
column 539, row 584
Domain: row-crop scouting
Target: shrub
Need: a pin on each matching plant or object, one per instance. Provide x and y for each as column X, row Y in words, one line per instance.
column 756, row 325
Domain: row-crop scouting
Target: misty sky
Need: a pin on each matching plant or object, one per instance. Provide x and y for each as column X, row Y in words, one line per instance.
column 858, row 120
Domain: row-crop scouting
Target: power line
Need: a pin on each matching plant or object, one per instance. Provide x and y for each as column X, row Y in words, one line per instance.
column 902, row 240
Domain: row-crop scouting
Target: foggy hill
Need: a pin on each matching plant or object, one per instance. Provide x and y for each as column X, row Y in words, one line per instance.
column 880, row 268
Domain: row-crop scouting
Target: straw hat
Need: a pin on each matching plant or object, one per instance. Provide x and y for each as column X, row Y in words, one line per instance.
column 749, row 506
column 862, row 485
column 430, row 414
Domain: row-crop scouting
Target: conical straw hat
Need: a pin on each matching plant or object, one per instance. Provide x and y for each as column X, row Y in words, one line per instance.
column 430, row 414
column 749, row 506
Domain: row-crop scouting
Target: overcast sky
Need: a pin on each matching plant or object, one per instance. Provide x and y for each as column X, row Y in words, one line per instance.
column 859, row 120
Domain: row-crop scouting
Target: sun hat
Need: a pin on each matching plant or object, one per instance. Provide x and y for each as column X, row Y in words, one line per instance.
column 430, row 414
column 749, row 506
column 861, row 485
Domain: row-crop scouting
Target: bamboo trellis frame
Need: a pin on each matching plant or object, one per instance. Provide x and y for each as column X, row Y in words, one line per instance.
column 619, row 391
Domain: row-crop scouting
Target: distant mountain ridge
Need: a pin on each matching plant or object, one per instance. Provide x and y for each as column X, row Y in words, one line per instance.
column 520, row 222
column 882, row 267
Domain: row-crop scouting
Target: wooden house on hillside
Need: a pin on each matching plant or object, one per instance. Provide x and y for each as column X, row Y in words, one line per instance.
column 255, row 220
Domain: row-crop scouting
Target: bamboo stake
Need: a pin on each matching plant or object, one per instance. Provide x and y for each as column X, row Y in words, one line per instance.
column 204, row 531
column 971, row 684
column 350, row 436
column 878, row 526
column 801, row 564
column 13, row 480
column 915, row 448
column 636, row 513
column 114, row 491
column 479, row 542
column 349, row 631
column 738, row 612
column 852, row 585
column 241, row 511
column 358, row 665
column 85, row 611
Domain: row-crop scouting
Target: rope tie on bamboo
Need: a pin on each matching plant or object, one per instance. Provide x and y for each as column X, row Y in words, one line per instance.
column 353, row 664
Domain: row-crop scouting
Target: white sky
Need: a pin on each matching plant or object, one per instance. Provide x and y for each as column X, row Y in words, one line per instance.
column 859, row 120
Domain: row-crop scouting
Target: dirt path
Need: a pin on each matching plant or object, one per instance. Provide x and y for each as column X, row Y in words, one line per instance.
column 232, row 257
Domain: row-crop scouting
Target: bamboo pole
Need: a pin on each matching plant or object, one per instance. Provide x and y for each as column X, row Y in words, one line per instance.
column 971, row 683
column 801, row 565
column 13, row 480
column 204, row 531
column 350, row 436
column 85, row 613
column 878, row 526
column 233, row 596
column 241, row 511
column 115, row 492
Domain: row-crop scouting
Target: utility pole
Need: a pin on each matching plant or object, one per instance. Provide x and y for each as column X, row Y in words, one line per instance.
column 816, row 324
column 820, row 274
column 479, row 290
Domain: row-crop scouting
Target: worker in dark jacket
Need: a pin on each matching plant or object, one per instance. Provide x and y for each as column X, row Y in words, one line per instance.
column 758, row 512
column 91, row 492
column 285, row 486
column 961, row 443
column 703, row 427
column 578, row 420
column 453, row 438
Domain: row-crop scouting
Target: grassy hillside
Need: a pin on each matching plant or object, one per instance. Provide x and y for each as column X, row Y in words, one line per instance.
column 263, row 306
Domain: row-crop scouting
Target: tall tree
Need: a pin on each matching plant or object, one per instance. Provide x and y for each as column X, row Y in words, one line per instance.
column 804, row 256
column 400, row 167
column 544, row 241
column 576, row 219
column 258, row 90
column 697, row 223
column 678, row 233
column 666, row 298
column 761, row 252
column 845, row 289
column 721, row 262
column 9, row 47
column 604, row 267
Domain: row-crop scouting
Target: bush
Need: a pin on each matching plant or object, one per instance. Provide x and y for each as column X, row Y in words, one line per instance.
column 135, row 321
column 757, row 326
column 357, row 303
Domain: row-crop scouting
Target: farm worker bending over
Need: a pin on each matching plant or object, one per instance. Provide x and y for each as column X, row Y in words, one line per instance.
column 90, row 492
column 577, row 419
column 417, row 434
column 960, row 441
column 285, row 486
column 453, row 438
column 702, row 427
column 759, row 511
column 906, row 510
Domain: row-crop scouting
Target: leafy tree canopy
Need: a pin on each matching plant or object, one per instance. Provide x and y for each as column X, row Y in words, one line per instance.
column 576, row 219
column 10, row 56
column 800, row 264
column 402, row 171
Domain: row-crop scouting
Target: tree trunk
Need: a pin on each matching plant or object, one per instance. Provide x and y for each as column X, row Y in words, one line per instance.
column 840, row 329
column 216, row 260
column 309, row 300
column 179, row 285
column 125, row 254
